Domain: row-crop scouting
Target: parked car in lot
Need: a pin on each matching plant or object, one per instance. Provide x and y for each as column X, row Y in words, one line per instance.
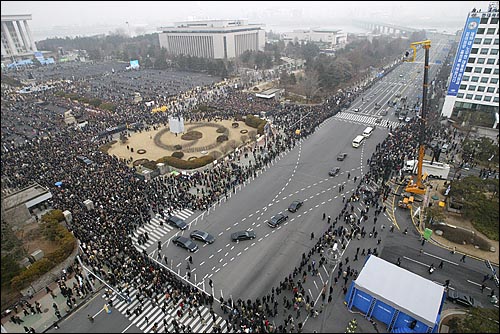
column 356, row 109
column 334, row 171
column 461, row 298
column 185, row 243
column 295, row 205
column 177, row 222
column 243, row 235
column 341, row 156
column 202, row 236
column 277, row 220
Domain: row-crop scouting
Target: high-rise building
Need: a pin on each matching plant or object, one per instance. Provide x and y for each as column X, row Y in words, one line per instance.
column 16, row 36
column 473, row 82
column 216, row 39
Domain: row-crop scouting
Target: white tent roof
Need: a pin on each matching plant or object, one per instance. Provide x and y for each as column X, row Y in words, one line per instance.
column 402, row 289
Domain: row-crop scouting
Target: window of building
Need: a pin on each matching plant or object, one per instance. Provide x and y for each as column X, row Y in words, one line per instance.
column 491, row 61
column 463, row 87
column 478, row 97
column 487, row 98
column 474, row 51
column 487, row 41
column 480, row 88
column 478, row 70
column 475, row 79
column 480, row 31
column 468, row 96
column 495, row 99
column 472, row 87
column 487, row 70
column 494, row 20
column 495, row 42
column 465, row 78
column 491, row 89
column 491, row 31
column 460, row 95
column 484, row 51
column 495, row 71
column 494, row 80
column 478, row 40
column 471, row 60
column 484, row 80
column 493, row 51
column 480, row 60
column 484, row 20
column 468, row 69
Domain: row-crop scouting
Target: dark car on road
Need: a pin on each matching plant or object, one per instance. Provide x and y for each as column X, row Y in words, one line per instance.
column 276, row 220
column 243, row 235
column 341, row 156
column 295, row 205
column 185, row 243
column 461, row 298
column 177, row 222
column 334, row 171
column 202, row 236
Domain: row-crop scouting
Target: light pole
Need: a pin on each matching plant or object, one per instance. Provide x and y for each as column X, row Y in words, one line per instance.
column 128, row 25
column 333, row 256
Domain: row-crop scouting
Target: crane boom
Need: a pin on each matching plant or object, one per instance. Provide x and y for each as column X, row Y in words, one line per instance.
column 418, row 187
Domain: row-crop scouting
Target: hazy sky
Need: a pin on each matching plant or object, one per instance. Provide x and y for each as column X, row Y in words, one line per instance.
column 87, row 17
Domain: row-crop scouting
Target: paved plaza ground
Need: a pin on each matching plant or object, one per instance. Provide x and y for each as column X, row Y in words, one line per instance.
column 145, row 140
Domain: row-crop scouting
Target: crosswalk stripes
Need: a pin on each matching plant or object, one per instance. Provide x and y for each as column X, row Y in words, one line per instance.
column 155, row 314
column 370, row 120
column 157, row 228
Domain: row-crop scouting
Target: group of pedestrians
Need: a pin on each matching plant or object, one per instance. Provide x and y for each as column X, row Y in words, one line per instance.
column 123, row 202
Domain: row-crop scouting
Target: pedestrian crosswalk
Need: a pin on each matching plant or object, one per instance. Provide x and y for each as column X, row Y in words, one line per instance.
column 156, row 229
column 365, row 119
column 200, row 320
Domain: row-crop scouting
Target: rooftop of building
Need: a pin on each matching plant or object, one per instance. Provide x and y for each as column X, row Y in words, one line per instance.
column 24, row 195
column 16, row 17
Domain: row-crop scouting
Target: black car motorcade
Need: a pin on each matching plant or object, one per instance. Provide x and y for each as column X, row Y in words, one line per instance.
column 295, row 205
column 341, row 156
column 461, row 298
column 243, row 235
column 334, row 171
column 202, row 236
column 276, row 220
column 177, row 222
column 185, row 243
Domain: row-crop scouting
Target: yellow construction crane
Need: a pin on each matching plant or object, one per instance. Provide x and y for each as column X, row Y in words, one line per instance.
column 418, row 187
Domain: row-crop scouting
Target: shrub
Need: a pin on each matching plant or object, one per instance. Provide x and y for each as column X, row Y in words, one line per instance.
column 178, row 154
column 215, row 154
column 56, row 215
column 221, row 130
column 95, row 102
column 177, row 147
column 256, row 122
column 108, row 106
column 238, row 118
column 244, row 138
column 184, row 164
column 192, row 135
column 150, row 164
column 222, row 138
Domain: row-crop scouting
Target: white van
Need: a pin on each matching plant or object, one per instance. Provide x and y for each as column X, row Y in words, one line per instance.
column 358, row 141
column 368, row 132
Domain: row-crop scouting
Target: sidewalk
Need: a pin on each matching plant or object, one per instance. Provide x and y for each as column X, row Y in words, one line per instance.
column 42, row 321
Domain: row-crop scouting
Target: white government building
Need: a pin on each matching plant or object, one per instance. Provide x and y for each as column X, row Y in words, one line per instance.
column 16, row 36
column 473, row 82
column 216, row 39
column 334, row 37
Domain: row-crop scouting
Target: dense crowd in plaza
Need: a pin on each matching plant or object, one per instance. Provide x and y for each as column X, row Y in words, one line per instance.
column 123, row 202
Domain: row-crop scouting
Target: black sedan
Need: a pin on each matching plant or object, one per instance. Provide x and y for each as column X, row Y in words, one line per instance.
column 341, row 156
column 202, row 236
column 243, row 235
column 461, row 298
column 177, row 222
column 185, row 243
column 334, row 171
column 276, row 220
column 295, row 205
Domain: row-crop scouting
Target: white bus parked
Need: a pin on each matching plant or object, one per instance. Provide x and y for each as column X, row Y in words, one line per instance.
column 368, row 132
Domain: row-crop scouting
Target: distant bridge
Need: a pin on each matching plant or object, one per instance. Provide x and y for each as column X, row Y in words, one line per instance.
column 385, row 28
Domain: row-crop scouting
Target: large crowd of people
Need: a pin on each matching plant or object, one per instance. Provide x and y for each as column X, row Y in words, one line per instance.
column 124, row 202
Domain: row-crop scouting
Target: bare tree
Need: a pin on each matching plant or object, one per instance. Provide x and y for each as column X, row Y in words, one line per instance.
column 309, row 85
column 253, row 135
column 244, row 138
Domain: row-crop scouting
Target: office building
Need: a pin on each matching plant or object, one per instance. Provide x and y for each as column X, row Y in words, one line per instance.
column 216, row 39
column 16, row 36
column 473, row 82
column 331, row 37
